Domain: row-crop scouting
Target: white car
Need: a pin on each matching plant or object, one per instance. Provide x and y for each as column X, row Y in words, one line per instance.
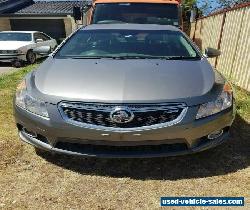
column 18, row 46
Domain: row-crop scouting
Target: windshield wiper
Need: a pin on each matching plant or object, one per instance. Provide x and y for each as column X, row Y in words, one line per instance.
column 97, row 57
column 85, row 57
column 180, row 58
column 133, row 57
column 111, row 57
column 136, row 57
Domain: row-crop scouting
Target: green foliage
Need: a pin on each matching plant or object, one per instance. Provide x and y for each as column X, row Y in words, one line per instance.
column 10, row 81
column 188, row 4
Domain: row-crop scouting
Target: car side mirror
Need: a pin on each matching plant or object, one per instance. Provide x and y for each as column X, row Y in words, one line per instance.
column 43, row 50
column 212, row 53
column 39, row 40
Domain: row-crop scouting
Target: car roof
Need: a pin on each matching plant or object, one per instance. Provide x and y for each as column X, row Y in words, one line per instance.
column 128, row 26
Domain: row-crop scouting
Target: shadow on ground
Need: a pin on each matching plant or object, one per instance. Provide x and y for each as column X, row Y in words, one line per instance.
column 227, row 158
column 5, row 64
column 9, row 64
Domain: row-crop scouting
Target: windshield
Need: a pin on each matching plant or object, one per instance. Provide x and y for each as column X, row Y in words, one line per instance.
column 142, row 13
column 128, row 43
column 15, row 37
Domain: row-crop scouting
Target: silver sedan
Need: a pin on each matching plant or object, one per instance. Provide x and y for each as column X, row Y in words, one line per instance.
column 125, row 90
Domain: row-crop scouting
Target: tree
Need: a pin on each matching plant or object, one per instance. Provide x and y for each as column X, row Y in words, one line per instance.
column 187, row 6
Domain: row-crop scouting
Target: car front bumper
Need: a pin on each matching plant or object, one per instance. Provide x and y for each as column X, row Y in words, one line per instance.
column 187, row 137
column 12, row 57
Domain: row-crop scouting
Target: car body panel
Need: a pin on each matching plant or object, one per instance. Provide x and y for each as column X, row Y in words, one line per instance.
column 13, row 45
column 189, row 132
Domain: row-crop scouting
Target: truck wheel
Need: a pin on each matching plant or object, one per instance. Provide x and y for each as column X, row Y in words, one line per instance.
column 31, row 57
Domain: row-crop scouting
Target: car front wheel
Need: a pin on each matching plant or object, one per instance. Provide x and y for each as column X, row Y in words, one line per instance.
column 31, row 57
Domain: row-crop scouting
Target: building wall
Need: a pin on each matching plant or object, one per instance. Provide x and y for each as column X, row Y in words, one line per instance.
column 4, row 24
column 229, row 32
column 70, row 25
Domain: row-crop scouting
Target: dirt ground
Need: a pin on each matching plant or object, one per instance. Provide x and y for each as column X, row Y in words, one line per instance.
column 29, row 181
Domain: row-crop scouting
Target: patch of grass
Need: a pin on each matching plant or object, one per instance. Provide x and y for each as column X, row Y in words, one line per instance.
column 10, row 149
column 10, row 81
column 242, row 103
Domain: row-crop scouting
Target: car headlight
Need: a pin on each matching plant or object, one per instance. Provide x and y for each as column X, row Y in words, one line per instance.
column 17, row 51
column 27, row 102
column 224, row 101
column 14, row 52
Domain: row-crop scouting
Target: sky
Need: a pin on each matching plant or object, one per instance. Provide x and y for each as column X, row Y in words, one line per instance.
column 213, row 4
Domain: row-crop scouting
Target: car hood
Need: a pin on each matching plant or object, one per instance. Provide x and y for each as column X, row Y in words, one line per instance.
column 108, row 80
column 12, row 45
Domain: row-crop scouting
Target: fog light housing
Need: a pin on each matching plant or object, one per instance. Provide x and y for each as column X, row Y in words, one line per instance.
column 215, row 135
column 30, row 133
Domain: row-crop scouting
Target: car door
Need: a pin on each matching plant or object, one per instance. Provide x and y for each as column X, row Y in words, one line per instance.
column 39, row 41
column 44, row 40
column 49, row 41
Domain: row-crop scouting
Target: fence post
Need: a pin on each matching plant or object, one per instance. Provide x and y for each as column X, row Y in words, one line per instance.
column 195, row 26
column 221, row 33
column 238, row 38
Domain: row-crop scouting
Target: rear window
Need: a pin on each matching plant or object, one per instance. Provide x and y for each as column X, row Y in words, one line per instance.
column 131, row 43
column 142, row 13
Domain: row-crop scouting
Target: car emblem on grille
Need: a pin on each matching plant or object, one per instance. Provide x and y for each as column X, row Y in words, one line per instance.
column 121, row 115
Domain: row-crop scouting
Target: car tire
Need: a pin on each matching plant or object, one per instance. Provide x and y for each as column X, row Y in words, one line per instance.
column 31, row 57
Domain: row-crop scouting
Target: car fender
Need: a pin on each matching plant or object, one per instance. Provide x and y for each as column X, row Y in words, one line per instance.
column 25, row 49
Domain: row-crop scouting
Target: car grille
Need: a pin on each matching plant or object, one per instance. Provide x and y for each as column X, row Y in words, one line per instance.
column 8, row 51
column 145, row 115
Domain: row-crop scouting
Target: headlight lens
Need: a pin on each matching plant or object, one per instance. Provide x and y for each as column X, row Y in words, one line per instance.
column 14, row 52
column 27, row 102
column 17, row 51
column 224, row 101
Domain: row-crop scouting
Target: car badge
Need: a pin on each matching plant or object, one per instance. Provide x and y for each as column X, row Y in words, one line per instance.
column 121, row 115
